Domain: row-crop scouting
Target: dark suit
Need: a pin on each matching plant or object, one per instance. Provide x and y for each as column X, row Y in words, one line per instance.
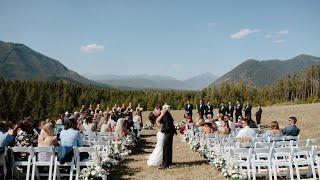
column 258, row 115
column 247, row 111
column 167, row 127
column 188, row 108
column 201, row 109
column 223, row 109
column 291, row 130
column 238, row 109
column 209, row 110
column 230, row 110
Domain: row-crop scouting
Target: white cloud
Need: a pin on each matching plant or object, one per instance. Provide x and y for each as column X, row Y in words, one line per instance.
column 211, row 24
column 92, row 48
column 243, row 33
column 279, row 41
column 283, row 32
column 267, row 36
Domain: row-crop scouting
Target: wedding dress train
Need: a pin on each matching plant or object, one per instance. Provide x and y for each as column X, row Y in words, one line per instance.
column 156, row 158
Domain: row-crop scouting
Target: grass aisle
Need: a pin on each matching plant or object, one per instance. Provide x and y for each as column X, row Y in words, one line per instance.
column 186, row 163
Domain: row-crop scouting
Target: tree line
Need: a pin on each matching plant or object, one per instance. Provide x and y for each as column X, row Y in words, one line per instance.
column 41, row 100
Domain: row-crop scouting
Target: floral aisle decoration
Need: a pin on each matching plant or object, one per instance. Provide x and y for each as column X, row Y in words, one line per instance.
column 147, row 126
column 179, row 125
column 225, row 163
column 106, row 160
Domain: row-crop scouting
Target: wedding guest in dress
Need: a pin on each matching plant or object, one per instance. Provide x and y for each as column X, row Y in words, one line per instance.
column 207, row 128
column 291, row 129
column 188, row 108
column 26, row 137
column 238, row 109
column 246, row 131
column 258, row 115
column 225, row 129
column 103, row 125
column 247, row 111
column 112, row 122
column 136, row 124
column 274, row 131
column 88, row 125
column 120, row 130
column 46, row 139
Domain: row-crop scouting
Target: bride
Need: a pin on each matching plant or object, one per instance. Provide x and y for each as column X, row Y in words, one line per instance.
column 156, row 157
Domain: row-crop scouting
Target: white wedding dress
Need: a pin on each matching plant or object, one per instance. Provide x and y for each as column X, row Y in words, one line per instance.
column 156, row 158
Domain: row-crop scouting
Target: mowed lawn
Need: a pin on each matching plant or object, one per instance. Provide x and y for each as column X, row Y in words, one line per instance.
column 308, row 116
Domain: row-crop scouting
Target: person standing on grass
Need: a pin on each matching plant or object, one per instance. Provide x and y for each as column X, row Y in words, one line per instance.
column 258, row 115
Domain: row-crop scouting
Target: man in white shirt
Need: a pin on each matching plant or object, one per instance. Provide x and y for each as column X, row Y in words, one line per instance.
column 246, row 131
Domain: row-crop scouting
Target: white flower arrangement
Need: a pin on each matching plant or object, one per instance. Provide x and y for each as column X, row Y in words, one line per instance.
column 147, row 126
column 105, row 162
column 227, row 165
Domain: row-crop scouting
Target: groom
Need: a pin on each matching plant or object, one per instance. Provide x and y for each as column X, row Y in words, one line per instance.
column 166, row 127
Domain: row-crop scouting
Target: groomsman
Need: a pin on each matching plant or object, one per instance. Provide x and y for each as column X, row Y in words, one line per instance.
column 209, row 109
column 230, row 109
column 238, row 109
column 188, row 108
column 201, row 108
column 247, row 111
column 258, row 115
column 222, row 109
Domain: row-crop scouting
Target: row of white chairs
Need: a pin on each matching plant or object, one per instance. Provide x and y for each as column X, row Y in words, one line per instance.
column 301, row 158
column 32, row 162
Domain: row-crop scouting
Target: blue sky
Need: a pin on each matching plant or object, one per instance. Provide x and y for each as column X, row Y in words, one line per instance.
column 179, row 38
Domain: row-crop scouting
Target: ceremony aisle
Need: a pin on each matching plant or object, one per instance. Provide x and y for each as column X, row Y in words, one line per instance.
column 186, row 163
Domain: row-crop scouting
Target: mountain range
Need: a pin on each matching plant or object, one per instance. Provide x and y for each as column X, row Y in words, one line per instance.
column 17, row 61
column 145, row 81
column 267, row 72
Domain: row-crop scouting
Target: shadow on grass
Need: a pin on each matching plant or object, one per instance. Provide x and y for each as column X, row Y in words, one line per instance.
column 123, row 171
column 188, row 164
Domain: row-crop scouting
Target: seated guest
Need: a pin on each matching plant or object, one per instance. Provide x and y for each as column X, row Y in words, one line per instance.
column 136, row 123
column 225, row 129
column 291, row 129
column 220, row 122
column 274, row 131
column 112, row 122
column 207, row 128
column 26, row 137
column 88, row 125
column 246, row 131
column 6, row 139
column 198, row 119
column 58, row 127
column 46, row 139
column 232, row 126
column 70, row 136
column 103, row 124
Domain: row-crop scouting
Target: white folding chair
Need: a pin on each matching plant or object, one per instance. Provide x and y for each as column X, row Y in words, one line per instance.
column 313, row 142
column 300, row 143
column 283, row 144
column 262, row 145
column 243, row 156
column 290, row 138
column 21, row 163
column 261, row 158
column 316, row 157
column 282, row 157
column 37, row 160
column 271, row 139
column 226, row 146
column 86, row 162
column 57, row 165
column 3, row 161
column 303, row 160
